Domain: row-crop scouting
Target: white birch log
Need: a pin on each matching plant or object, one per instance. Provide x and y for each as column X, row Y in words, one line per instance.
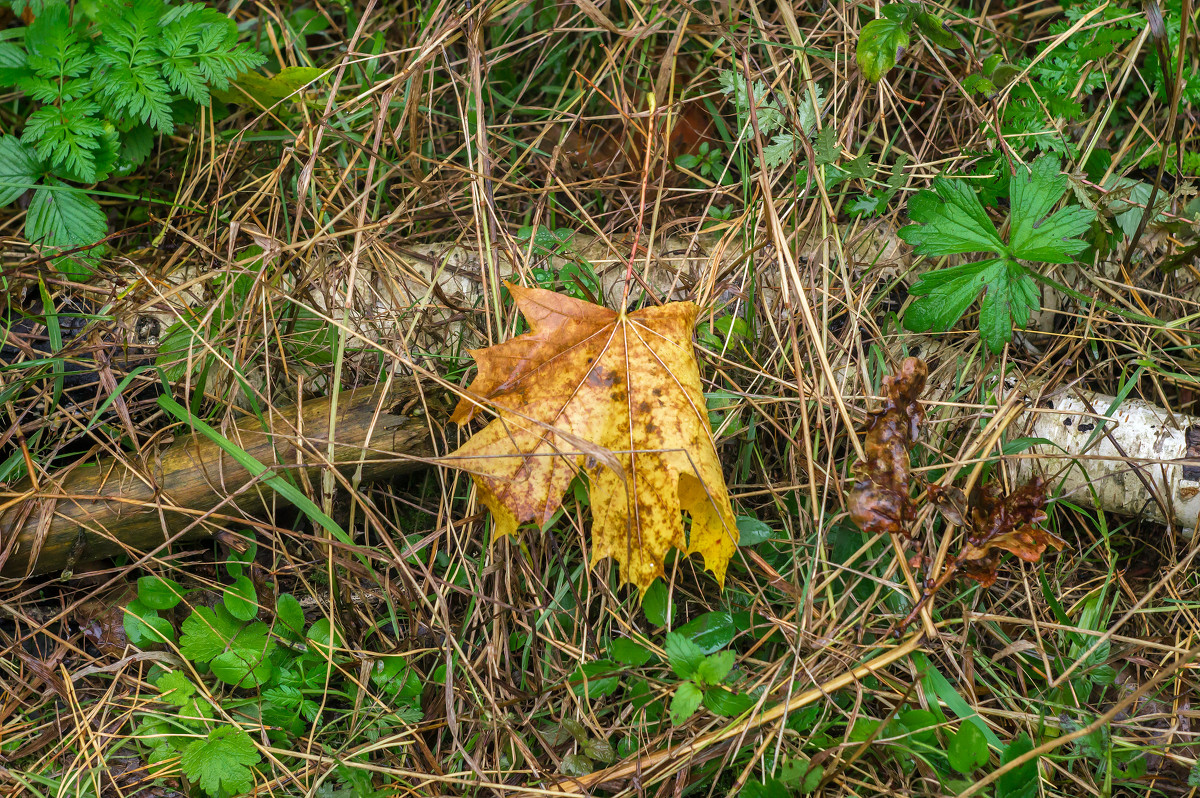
column 1139, row 460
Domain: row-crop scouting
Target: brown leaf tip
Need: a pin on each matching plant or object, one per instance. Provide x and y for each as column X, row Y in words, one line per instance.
column 880, row 501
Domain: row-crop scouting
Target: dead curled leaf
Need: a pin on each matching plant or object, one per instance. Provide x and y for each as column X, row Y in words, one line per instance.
column 880, row 501
column 626, row 385
column 1002, row 523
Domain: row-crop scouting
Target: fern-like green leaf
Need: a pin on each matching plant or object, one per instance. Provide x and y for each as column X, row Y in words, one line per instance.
column 180, row 65
column 221, row 59
column 66, row 136
column 55, row 49
column 132, row 85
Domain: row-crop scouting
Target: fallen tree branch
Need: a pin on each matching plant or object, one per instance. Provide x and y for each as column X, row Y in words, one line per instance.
column 138, row 502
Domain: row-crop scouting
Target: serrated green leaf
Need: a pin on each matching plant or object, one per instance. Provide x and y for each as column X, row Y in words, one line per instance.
column 64, row 217
column 14, row 64
column 67, row 136
column 683, row 655
column 177, row 689
column 825, row 146
column 19, row 169
column 209, row 631
column 1033, row 234
column 715, row 667
column 221, row 762
column 1010, row 297
column 685, row 702
column 780, row 151
column 950, row 220
column 879, row 45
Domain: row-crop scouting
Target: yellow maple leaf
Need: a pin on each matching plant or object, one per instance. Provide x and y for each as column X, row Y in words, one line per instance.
column 617, row 396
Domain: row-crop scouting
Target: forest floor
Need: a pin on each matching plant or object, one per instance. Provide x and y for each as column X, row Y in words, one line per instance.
column 823, row 180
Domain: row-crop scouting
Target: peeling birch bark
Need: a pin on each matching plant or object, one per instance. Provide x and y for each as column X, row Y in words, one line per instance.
column 1141, row 460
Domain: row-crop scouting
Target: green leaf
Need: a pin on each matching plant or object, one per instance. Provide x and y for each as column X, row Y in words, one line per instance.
column 683, row 655
column 63, row 217
column 879, row 46
column 712, row 631
column 727, row 703
column 967, row 749
column 825, row 147
column 630, row 653
column 158, row 593
column 241, row 599
column 144, row 627
column 751, row 531
column 320, row 635
column 67, row 136
column 1023, row 781
column 1009, row 296
column 210, row 631
column 177, row 689
column 780, row 151
column 714, row 668
column 1009, row 299
column 950, row 220
column 945, row 295
column 595, row 679
column 19, row 169
column 291, row 616
column 1127, row 206
column 14, row 64
column 243, row 667
column 799, row 774
column 685, row 702
column 267, row 91
column 656, row 604
column 221, row 762
column 1035, row 235
column 934, row 29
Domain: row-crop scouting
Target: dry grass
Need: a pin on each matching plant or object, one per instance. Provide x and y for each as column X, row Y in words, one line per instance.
column 479, row 120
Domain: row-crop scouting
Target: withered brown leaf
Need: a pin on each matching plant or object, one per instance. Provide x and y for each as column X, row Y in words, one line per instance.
column 880, row 501
column 1006, row 523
